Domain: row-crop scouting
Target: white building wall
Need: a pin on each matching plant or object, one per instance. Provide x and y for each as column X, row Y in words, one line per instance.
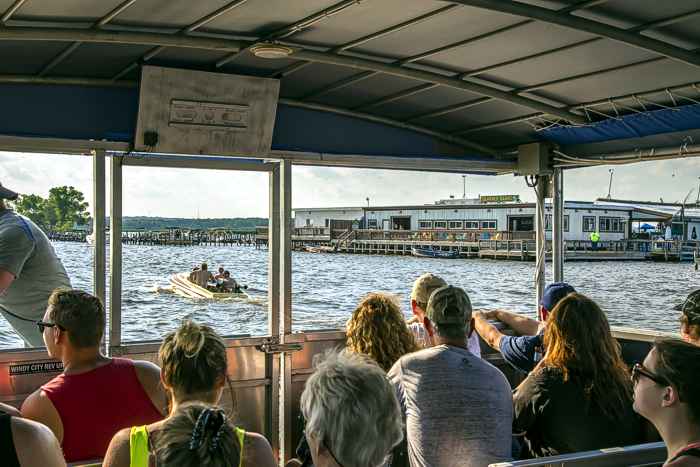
column 317, row 217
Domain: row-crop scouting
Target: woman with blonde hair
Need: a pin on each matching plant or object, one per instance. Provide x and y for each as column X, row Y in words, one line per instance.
column 579, row 397
column 378, row 329
column 196, row 432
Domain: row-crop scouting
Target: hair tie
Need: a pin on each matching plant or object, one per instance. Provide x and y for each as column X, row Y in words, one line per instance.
column 200, row 344
column 221, row 421
column 199, row 429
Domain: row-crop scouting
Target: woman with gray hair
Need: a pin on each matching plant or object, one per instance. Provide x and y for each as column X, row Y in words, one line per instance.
column 353, row 417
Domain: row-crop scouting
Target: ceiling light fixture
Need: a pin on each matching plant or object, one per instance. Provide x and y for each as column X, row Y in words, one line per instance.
column 272, row 51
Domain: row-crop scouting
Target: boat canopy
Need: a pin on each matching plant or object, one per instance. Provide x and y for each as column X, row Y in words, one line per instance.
column 450, row 85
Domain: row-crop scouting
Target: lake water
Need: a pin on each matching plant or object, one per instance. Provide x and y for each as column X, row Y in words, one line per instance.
column 326, row 288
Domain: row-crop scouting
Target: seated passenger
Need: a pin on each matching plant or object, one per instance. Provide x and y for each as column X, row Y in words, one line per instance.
column 229, row 284
column 420, row 293
column 524, row 350
column 24, row 443
column 377, row 329
column 194, row 365
column 667, row 393
column 352, row 415
column 690, row 318
column 220, row 274
column 202, row 276
column 95, row 396
column 457, row 407
column 579, row 397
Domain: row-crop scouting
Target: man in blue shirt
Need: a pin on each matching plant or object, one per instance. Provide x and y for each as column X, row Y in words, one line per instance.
column 524, row 350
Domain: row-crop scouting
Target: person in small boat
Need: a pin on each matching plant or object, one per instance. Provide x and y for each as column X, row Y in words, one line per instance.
column 194, row 365
column 423, row 287
column 352, row 415
column 524, row 350
column 457, row 407
column 690, row 318
column 95, row 396
column 667, row 393
column 579, row 396
column 220, row 273
column 25, row 443
column 229, row 284
column 201, row 276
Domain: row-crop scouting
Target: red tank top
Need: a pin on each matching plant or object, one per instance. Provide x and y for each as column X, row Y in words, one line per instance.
column 94, row 405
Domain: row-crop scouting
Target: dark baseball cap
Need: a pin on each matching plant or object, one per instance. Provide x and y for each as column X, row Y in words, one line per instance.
column 7, row 194
column 553, row 293
column 691, row 306
column 449, row 305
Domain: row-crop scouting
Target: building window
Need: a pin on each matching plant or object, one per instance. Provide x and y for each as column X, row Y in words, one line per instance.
column 371, row 223
column 455, row 225
column 440, row 224
column 588, row 223
column 471, row 225
column 610, row 224
column 425, row 224
column 548, row 222
column 308, row 222
column 488, row 225
column 327, row 222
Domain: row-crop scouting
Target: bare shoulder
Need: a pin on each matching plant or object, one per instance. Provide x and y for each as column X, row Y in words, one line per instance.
column 146, row 370
column 39, row 407
column 118, row 454
column 148, row 375
column 36, row 444
column 257, row 451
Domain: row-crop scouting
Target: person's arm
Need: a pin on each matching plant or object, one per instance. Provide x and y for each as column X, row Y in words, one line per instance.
column 257, row 452
column 148, row 375
column 15, row 249
column 119, row 450
column 39, row 407
column 6, row 280
column 35, row 444
column 528, row 400
column 9, row 410
column 522, row 325
column 488, row 332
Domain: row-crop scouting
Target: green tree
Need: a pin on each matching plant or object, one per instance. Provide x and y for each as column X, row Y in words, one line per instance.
column 33, row 207
column 65, row 207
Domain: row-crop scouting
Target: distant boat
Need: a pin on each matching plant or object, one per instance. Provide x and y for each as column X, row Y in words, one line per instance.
column 431, row 253
column 183, row 287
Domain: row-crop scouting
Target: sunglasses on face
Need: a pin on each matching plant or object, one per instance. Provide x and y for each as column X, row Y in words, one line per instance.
column 43, row 325
column 638, row 371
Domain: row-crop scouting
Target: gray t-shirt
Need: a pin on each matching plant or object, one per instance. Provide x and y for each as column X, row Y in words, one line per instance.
column 457, row 407
column 27, row 253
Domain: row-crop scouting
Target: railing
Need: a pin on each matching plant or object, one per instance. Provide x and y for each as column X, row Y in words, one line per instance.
column 431, row 235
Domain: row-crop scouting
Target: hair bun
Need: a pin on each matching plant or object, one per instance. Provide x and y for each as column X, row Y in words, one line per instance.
column 190, row 339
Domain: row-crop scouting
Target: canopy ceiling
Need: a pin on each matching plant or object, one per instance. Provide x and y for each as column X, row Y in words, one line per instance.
column 482, row 75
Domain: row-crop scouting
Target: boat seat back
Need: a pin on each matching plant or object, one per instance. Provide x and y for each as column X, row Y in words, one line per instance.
column 647, row 455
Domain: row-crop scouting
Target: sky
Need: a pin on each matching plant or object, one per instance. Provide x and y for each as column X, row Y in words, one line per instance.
column 208, row 193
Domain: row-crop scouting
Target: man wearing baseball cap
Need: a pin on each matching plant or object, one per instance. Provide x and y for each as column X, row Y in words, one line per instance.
column 456, row 406
column 29, row 271
column 690, row 318
column 423, row 287
column 524, row 350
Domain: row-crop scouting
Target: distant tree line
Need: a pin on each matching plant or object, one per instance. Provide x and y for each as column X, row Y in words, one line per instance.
column 64, row 208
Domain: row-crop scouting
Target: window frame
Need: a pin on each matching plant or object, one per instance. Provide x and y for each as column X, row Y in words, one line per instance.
column 584, row 226
column 615, row 224
column 548, row 222
column 422, row 227
column 488, row 222
column 459, row 225
column 442, row 227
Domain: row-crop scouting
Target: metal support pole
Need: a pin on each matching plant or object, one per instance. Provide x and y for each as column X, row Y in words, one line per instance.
column 99, row 264
column 540, row 240
column 115, row 253
column 272, row 363
column 285, row 304
column 558, row 225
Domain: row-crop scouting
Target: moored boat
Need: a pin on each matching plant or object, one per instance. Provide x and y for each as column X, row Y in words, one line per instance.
column 182, row 286
column 432, row 253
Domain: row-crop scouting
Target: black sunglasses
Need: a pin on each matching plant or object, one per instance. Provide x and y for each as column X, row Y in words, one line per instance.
column 638, row 371
column 43, row 325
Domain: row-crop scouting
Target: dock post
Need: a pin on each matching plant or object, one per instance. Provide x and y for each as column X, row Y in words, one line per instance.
column 558, row 225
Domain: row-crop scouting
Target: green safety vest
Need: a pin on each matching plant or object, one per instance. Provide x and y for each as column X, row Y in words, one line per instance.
column 595, row 236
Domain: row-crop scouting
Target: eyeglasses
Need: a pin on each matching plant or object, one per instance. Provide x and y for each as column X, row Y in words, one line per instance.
column 325, row 445
column 43, row 325
column 638, row 371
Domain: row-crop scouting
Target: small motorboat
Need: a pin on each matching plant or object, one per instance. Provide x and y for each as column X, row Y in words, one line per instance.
column 182, row 286
column 432, row 253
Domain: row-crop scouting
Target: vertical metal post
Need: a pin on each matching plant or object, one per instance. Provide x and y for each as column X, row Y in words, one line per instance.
column 99, row 264
column 558, row 225
column 540, row 240
column 285, row 303
column 272, row 362
column 115, row 253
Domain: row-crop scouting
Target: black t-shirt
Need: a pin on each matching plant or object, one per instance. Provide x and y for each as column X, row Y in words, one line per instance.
column 558, row 418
